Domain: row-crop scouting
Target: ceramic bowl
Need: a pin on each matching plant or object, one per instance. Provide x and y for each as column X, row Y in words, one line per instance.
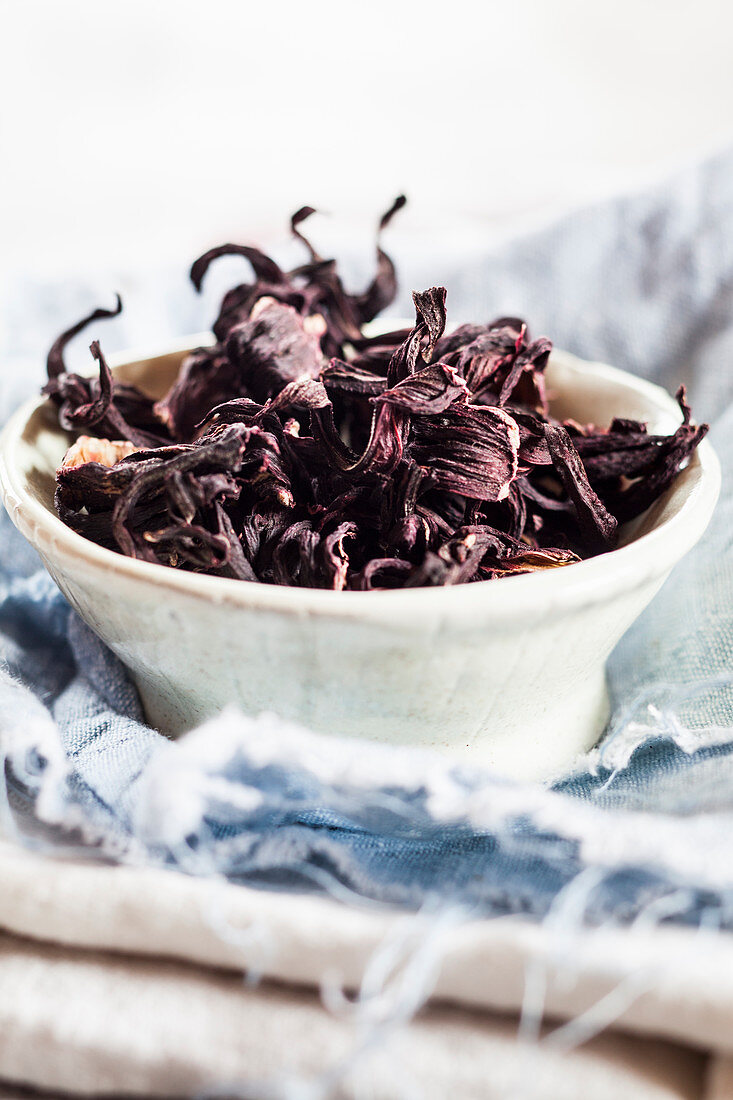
column 507, row 673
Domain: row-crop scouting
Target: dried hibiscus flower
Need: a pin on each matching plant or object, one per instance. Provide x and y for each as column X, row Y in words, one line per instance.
column 300, row 451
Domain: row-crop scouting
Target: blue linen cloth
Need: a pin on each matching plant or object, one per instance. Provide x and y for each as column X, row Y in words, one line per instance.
column 642, row 824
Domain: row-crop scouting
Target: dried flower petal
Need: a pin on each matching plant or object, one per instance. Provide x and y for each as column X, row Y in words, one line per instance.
column 310, row 454
column 597, row 525
column 55, row 359
column 104, row 451
column 346, row 378
column 427, row 392
column 207, row 378
column 272, row 349
column 472, row 450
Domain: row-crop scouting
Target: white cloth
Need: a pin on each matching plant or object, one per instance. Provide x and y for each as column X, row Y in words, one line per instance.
column 96, row 998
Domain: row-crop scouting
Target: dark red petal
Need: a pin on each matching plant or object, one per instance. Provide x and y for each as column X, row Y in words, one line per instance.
column 597, row 525
column 55, row 360
column 427, row 392
column 264, row 268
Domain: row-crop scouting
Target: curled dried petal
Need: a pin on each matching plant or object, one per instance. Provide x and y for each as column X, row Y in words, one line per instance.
column 264, row 268
column 472, row 450
column 382, row 290
column 534, row 561
column 597, row 525
column 421, row 340
column 273, row 349
column 298, row 217
column 427, row 392
column 413, row 458
column 347, row 378
column 206, row 379
column 55, row 359
column 381, row 573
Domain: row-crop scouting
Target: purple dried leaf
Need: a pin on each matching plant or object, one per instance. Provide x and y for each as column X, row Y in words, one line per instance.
column 150, row 473
column 347, row 378
column 457, row 561
column 472, row 450
column 304, row 393
column 86, row 416
column 379, row 573
column 382, row 290
column 642, row 493
column 533, row 449
column 482, row 353
column 421, row 341
column 534, row 494
column 334, row 557
column 524, row 383
column 294, row 556
column 298, row 217
column 597, row 526
column 207, row 378
column 237, row 564
column 427, row 392
column 55, row 360
column 272, row 349
column 408, row 537
column 533, row 560
column 93, row 403
column 374, row 353
column 265, row 269
column 238, row 303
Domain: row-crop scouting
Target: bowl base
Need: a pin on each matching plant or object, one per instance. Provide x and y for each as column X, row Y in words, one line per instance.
column 538, row 750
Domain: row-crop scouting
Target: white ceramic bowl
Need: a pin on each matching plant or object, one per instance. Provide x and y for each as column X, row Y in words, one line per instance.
column 508, row 673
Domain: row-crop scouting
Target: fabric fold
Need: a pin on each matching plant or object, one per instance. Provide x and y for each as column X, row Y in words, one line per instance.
column 110, row 1025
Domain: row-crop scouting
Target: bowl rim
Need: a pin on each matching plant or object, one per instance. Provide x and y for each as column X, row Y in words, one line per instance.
column 593, row 580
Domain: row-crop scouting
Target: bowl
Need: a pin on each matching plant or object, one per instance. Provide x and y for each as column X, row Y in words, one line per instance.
column 507, row 673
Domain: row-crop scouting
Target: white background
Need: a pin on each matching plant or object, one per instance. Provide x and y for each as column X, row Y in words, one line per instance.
column 136, row 131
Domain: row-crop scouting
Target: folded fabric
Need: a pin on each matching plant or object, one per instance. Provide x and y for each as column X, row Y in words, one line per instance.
column 590, row 977
column 143, row 1028
column 86, row 1005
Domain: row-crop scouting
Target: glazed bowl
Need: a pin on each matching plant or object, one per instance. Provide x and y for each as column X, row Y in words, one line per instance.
column 506, row 673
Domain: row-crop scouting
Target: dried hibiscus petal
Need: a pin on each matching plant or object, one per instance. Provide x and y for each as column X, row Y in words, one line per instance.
column 533, row 561
column 55, row 359
column 382, row 573
column 346, row 378
column 104, row 451
column 272, row 348
column 428, row 391
column 111, row 408
column 334, row 557
column 472, row 450
column 670, row 456
column 597, row 525
column 421, row 340
column 383, row 287
column 299, row 450
column 207, row 378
